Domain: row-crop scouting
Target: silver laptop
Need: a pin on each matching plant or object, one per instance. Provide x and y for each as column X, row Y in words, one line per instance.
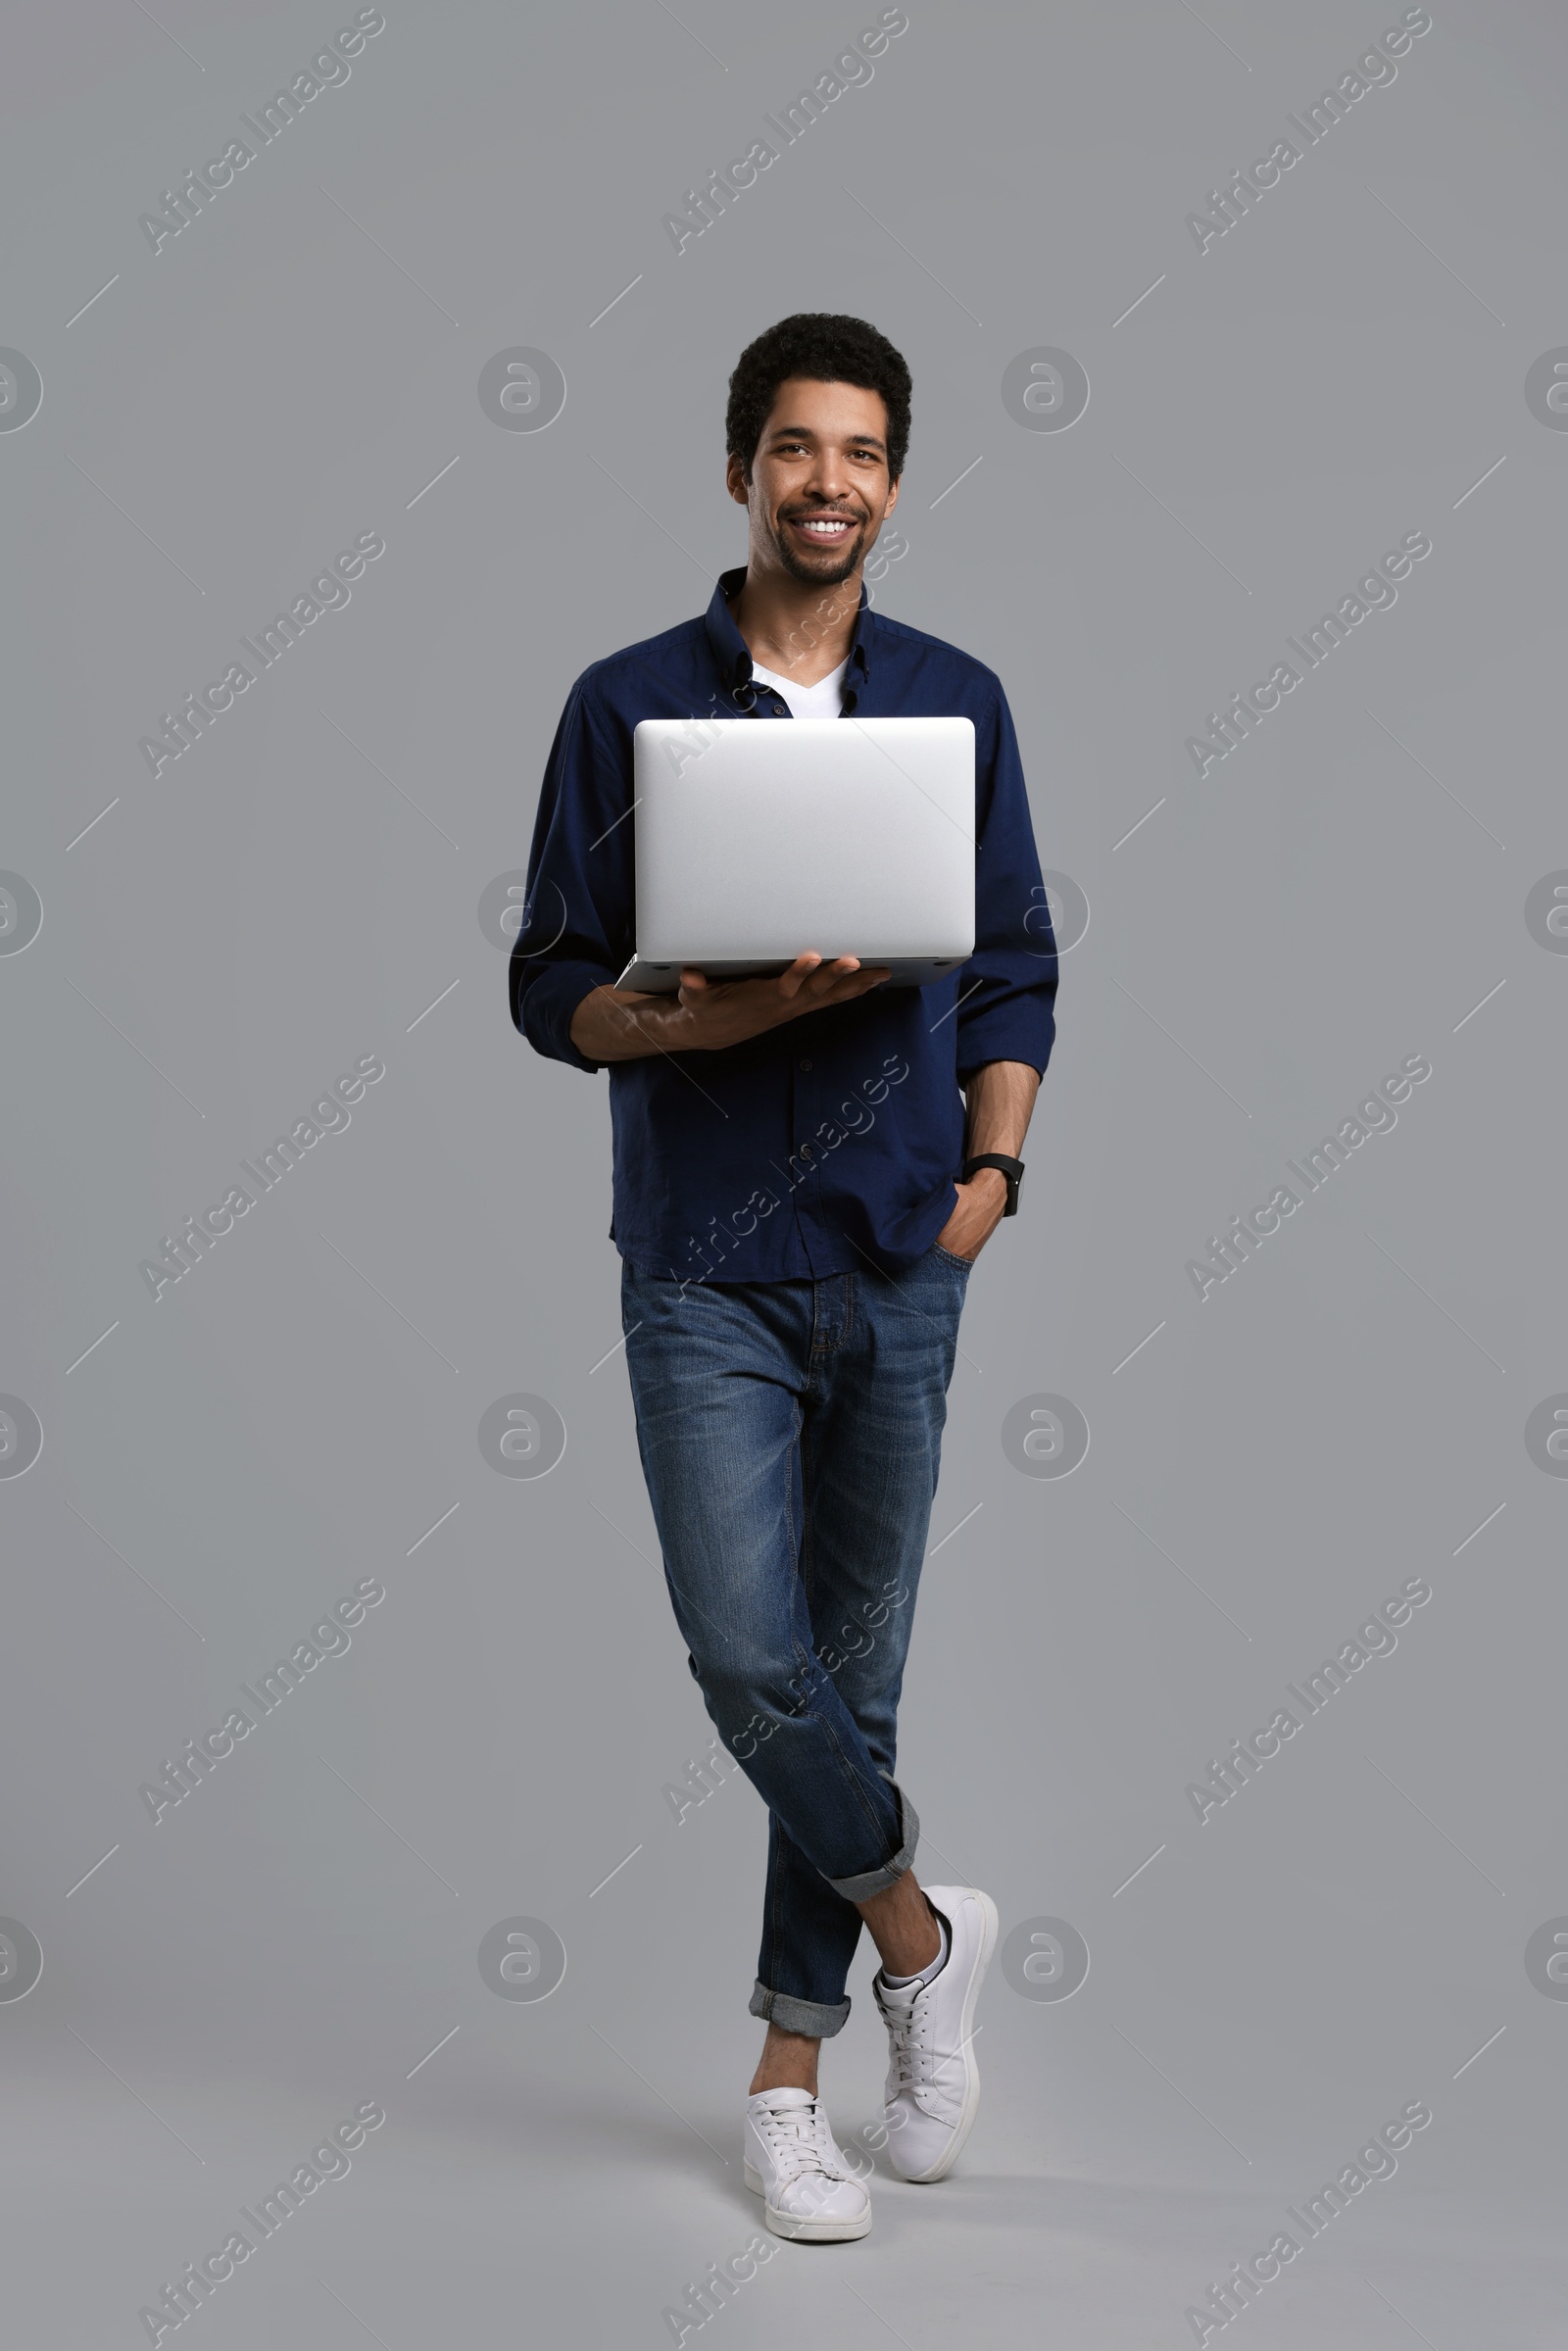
column 756, row 841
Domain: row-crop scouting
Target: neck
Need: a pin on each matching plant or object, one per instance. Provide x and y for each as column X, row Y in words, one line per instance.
column 795, row 627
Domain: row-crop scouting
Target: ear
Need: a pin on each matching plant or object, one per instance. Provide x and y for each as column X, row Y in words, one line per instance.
column 893, row 497
column 735, row 481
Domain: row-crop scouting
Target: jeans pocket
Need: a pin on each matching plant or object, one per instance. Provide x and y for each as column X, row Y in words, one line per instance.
column 966, row 1264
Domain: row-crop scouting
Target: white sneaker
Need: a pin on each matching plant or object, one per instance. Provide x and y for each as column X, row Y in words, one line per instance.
column 933, row 2084
column 793, row 2164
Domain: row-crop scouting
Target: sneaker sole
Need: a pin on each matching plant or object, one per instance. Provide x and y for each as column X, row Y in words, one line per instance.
column 819, row 2232
column 990, row 1928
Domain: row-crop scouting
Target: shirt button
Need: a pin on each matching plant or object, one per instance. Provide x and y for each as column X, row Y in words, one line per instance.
column 806, row 1064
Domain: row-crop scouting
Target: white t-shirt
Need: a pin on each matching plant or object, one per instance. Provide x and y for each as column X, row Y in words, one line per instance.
column 820, row 700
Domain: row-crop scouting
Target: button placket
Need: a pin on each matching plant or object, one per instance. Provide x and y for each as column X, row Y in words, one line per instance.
column 802, row 1114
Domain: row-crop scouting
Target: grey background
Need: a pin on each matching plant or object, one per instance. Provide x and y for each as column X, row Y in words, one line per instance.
column 299, row 1410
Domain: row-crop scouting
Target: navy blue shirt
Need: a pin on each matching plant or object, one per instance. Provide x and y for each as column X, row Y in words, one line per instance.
column 834, row 1140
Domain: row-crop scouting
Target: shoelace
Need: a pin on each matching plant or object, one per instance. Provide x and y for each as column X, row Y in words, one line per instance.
column 794, row 2142
column 915, row 2064
column 909, row 2043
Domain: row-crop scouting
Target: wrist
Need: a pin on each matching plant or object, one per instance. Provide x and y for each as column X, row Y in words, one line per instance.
column 989, row 1186
column 1003, row 1169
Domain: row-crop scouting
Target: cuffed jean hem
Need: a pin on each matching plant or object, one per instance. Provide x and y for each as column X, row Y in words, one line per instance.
column 809, row 2017
column 876, row 1881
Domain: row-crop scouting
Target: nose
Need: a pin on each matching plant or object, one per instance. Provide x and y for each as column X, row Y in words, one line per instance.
column 829, row 479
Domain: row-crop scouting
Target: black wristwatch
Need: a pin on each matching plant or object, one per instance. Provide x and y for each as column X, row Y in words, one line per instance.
column 1012, row 1170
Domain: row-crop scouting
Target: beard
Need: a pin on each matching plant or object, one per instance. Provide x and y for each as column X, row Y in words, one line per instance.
column 811, row 575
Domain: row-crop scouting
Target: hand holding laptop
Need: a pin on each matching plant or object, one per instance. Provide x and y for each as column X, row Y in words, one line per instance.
column 620, row 1024
column 744, row 1007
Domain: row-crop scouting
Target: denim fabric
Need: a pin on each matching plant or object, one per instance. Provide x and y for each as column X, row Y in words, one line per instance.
column 790, row 1432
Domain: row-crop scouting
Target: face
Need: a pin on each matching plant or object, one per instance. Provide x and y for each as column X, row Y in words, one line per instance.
column 819, row 487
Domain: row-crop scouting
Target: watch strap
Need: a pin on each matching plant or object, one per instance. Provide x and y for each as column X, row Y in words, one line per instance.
column 1011, row 1171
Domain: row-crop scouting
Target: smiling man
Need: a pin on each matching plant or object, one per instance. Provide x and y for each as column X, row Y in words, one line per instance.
column 806, row 1169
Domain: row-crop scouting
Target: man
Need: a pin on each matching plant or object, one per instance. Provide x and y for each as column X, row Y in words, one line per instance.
column 798, row 1197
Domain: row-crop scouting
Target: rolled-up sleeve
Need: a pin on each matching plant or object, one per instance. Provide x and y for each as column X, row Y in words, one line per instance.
column 579, row 907
column 1008, row 989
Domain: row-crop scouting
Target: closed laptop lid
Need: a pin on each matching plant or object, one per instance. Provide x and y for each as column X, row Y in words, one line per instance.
column 762, row 838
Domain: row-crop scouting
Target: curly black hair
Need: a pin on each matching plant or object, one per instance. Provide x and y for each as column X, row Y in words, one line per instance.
column 827, row 347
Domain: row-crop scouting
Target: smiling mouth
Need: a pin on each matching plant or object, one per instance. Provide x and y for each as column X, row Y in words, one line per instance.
column 824, row 530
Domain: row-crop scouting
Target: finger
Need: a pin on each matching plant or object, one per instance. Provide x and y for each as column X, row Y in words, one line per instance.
column 860, row 981
column 790, row 982
column 828, row 975
column 692, row 982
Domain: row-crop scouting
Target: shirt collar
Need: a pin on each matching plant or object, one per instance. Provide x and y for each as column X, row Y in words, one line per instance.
column 730, row 650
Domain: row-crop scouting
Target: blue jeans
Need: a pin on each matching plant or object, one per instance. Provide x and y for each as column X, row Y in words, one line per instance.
column 790, row 1435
